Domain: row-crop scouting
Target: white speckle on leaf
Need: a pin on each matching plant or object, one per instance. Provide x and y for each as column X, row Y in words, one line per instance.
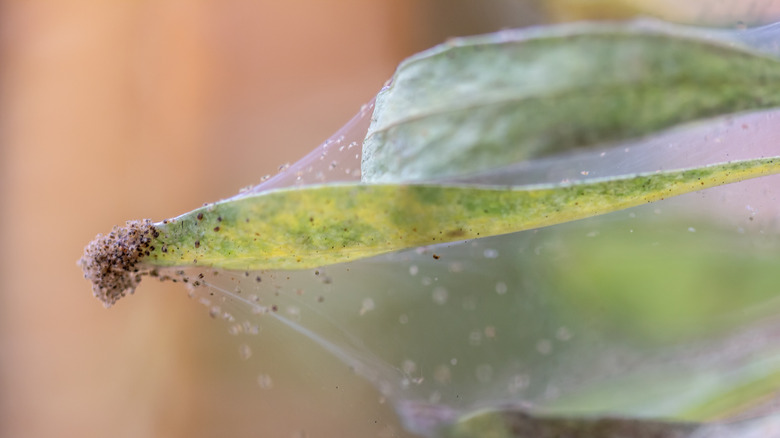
column 490, row 253
column 544, row 347
column 367, row 306
column 440, row 295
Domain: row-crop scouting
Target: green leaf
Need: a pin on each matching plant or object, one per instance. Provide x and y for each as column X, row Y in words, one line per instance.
column 478, row 103
column 321, row 225
column 517, row 424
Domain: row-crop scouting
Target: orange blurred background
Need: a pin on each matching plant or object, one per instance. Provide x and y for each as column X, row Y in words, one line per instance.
column 146, row 109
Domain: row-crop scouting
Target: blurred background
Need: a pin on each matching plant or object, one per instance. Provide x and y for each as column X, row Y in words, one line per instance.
column 120, row 110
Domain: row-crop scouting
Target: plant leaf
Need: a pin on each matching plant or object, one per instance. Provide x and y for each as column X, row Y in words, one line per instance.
column 320, row 225
column 510, row 423
column 478, row 103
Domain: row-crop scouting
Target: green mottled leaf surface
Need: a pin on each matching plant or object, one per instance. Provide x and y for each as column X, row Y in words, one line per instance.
column 477, row 103
column 321, row 225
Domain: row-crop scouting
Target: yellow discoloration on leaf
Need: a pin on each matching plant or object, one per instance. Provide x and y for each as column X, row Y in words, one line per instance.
column 321, row 225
